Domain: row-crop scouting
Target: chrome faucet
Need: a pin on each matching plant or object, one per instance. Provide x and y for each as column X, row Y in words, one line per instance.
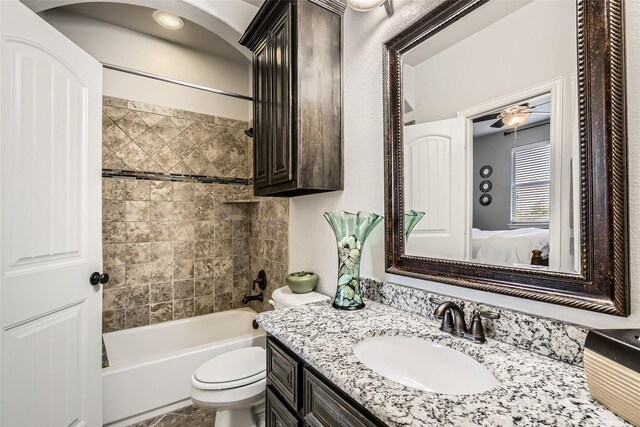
column 452, row 317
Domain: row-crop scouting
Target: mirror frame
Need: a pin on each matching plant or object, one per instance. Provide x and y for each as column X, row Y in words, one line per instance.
column 602, row 284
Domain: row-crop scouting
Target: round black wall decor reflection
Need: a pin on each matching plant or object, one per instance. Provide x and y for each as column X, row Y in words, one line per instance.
column 485, row 186
column 485, row 200
column 486, row 171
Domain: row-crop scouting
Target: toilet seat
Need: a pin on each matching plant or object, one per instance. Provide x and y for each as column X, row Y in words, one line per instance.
column 236, row 368
column 227, row 385
column 239, row 397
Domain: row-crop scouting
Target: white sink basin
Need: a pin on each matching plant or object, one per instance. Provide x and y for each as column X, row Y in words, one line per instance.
column 424, row 365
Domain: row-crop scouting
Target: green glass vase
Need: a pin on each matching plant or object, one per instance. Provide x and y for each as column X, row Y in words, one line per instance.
column 351, row 231
column 411, row 219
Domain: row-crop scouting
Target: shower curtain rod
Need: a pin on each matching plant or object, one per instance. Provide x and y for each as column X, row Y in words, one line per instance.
column 174, row 81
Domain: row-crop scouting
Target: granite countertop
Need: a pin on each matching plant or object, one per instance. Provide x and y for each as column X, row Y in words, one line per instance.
column 533, row 390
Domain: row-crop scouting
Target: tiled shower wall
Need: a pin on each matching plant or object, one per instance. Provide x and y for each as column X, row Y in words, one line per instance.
column 149, row 138
column 180, row 248
column 269, row 244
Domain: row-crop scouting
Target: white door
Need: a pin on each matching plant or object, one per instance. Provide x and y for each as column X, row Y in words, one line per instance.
column 435, row 183
column 50, row 214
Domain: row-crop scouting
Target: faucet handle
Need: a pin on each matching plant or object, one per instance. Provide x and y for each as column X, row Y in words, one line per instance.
column 261, row 281
column 476, row 333
column 487, row 314
column 435, row 300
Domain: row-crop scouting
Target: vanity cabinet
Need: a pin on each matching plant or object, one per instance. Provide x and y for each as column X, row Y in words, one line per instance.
column 297, row 395
column 297, row 89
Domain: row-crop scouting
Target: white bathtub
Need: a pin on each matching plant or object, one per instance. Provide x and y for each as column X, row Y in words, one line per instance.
column 151, row 366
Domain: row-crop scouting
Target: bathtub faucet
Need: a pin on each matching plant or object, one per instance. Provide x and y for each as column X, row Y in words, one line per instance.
column 248, row 298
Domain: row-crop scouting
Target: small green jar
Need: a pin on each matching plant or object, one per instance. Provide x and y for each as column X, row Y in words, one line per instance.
column 302, row 282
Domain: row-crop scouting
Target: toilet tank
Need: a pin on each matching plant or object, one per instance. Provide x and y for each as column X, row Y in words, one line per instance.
column 283, row 297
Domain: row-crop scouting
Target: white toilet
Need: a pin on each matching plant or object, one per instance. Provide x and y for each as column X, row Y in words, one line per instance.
column 234, row 383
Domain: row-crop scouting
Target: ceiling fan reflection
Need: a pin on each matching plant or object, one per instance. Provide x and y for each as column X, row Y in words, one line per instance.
column 513, row 116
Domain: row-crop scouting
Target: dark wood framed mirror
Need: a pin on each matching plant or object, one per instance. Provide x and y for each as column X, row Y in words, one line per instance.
column 556, row 230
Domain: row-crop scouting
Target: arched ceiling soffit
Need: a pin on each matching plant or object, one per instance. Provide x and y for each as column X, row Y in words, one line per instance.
column 225, row 18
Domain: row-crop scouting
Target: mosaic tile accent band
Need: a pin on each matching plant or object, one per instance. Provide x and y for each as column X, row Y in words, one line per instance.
column 548, row 337
column 115, row 173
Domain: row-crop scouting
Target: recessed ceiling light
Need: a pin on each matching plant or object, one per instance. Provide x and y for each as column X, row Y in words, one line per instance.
column 168, row 20
column 364, row 5
column 367, row 5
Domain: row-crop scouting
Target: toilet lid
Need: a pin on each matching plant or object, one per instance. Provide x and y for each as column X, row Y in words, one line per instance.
column 240, row 367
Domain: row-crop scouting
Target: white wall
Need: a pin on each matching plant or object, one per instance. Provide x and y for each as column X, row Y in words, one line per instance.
column 119, row 46
column 311, row 242
column 540, row 45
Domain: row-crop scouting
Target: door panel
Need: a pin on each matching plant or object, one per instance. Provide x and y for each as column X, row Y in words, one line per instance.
column 435, row 178
column 262, row 116
column 50, row 238
column 281, row 150
column 55, row 341
column 45, row 215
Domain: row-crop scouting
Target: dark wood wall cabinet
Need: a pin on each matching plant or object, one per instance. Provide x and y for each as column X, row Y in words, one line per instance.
column 297, row 90
column 299, row 396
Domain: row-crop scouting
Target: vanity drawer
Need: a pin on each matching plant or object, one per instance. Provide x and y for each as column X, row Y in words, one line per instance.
column 283, row 373
column 323, row 407
column 277, row 414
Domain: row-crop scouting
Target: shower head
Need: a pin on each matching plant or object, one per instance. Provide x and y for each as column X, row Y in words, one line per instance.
column 249, row 132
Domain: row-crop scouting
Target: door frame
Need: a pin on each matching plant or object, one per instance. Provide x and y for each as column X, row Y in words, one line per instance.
column 555, row 88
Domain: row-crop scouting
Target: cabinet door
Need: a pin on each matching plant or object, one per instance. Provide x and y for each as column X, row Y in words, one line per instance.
column 283, row 373
column 277, row 414
column 262, row 115
column 281, row 153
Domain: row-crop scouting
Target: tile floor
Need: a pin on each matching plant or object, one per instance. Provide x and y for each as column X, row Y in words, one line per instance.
column 191, row 416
